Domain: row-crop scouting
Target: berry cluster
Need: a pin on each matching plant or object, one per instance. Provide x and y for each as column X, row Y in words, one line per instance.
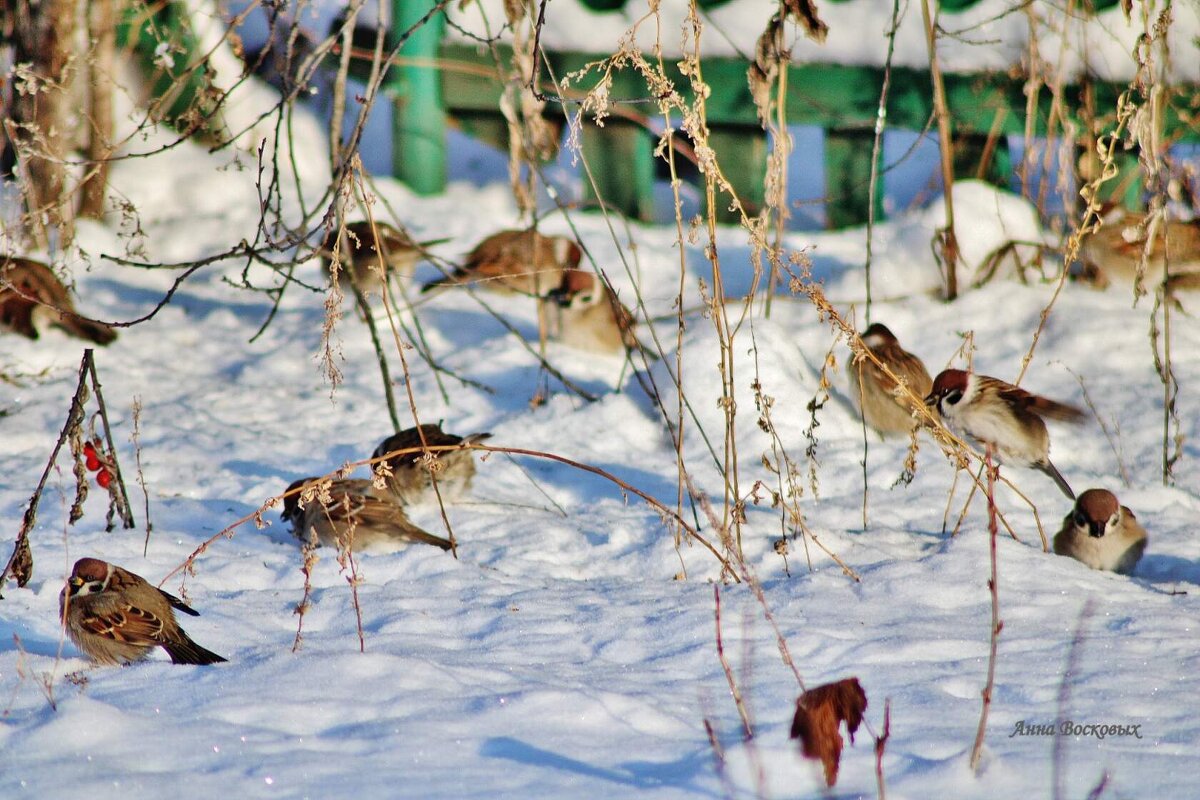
column 94, row 463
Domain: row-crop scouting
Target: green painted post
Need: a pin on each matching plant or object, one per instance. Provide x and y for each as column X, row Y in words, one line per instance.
column 418, row 116
column 621, row 156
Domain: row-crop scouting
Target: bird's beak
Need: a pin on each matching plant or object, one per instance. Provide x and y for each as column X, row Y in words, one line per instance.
column 931, row 399
column 1095, row 529
column 559, row 296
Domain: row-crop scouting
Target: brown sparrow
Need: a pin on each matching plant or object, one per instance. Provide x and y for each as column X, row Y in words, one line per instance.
column 587, row 315
column 1002, row 417
column 356, row 517
column 409, row 482
column 871, row 388
column 116, row 617
column 1102, row 533
column 1113, row 253
column 360, row 253
column 521, row 262
column 32, row 297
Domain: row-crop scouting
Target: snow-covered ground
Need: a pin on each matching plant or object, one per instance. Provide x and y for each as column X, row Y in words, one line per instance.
column 558, row 656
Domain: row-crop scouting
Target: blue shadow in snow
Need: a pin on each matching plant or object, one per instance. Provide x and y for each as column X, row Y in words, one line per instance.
column 1160, row 569
column 635, row 774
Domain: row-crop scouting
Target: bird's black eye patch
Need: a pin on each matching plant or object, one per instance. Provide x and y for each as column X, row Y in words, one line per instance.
column 1080, row 520
column 953, row 396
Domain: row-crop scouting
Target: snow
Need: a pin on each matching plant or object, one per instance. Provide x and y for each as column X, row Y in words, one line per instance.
column 558, row 656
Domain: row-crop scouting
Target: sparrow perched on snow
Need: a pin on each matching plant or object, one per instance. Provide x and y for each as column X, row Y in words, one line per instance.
column 1113, row 253
column 360, row 252
column 357, row 517
column 116, row 617
column 1102, row 533
column 521, row 262
column 1002, row 417
column 587, row 315
column 32, row 297
column 409, row 482
column 871, row 388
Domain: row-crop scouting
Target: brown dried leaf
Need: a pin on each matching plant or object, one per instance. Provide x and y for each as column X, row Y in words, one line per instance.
column 804, row 12
column 819, row 712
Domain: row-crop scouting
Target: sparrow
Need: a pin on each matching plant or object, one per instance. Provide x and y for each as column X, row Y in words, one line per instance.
column 360, row 252
column 32, row 297
column 116, row 617
column 409, row 482
column 1102, row 533
column 587, row 315
column 1113, row 253
column 356, row 517
column 515, row 262
column 1002, row 417
column 883, row 410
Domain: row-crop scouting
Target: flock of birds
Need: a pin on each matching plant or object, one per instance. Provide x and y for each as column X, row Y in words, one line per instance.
column 117, row 617
column 1009, row 423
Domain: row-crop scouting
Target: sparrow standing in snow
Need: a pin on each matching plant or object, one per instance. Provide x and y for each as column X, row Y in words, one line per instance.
column 1004, row 418
column 361, row 249
column 871, row 388
column 356, row 517
column 1102, row 533
column 1113, row 253
column 587, row 315
column 32, row 297
column 410, row 482
column 116, row 617
column 521, row 262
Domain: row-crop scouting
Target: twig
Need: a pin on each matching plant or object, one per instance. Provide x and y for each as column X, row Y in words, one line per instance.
column 141, row 476
column 228, row 531
column 880, row 746
column 997, row 625
column 747, row 728
column 120, row 498
column 20, row 563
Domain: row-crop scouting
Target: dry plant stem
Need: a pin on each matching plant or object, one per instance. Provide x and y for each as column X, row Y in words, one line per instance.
column 777, row 199
column 346, row 559
column 1170, row 390
column 996, row 624
column 747, row 728
column 123, row 507
column 141, row 476
column 880, row 747
column 74, row 420
column 872, row 188
column 412, row 407
column 719, row 763
column 309, row 553
column 384, row 373
column 339, row 88
column 104, row 30
column 950, row 502
column 861, row 418
column 1064, row 696
column 946, row 146
column 666, row 513
column 962, row 515
column 755, row 585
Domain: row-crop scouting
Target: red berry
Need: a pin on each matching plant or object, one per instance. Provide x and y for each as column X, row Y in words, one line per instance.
column 104, row 478
column 91, row 462
column 89, row 449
